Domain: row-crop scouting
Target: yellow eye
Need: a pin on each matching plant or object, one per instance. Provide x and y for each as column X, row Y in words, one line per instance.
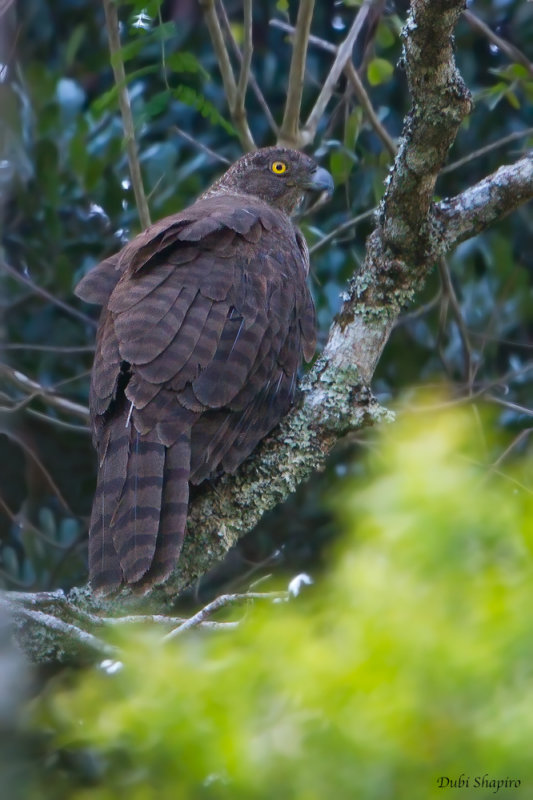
column 278, row 167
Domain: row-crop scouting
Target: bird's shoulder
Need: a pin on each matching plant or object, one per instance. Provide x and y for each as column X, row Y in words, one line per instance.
column 215, row 226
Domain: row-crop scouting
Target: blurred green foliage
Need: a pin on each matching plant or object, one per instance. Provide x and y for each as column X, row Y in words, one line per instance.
column 408, row 662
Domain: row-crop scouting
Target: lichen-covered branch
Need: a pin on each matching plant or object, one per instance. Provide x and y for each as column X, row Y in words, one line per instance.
column 51, row 627
column 479, row 206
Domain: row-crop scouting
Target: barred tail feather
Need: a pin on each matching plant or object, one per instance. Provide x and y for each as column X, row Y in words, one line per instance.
column 140, row 508
column 175, row 500
column 135, row 523
column 105, row 572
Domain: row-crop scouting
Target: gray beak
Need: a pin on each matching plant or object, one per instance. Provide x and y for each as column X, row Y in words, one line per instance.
column 321, row 181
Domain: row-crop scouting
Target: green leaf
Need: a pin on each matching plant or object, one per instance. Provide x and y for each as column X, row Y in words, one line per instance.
column 159, row 34
column 341, row 163
column 157, row 104
column 186, row 62
column 74, row 43
column 512, row 99
column 379, row 71
column 352, row 128
column 195, row 100
column 109, row 98
column 385, row 36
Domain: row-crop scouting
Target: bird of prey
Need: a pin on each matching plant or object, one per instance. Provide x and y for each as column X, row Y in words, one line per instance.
column 206, row 316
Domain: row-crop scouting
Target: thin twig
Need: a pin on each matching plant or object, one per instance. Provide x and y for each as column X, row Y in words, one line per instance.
column 355, row 82
column 362, row 95
column 340, row 229
column 510, row 50
column 46, row 295
column 508, row 404
column 508, row 450
column 449, row 293
column 290, row 126
column 113, row 33
column 344, row 54
column 36, row 389
column 22, row 522
column 226, row 71
column 252, row 81
column 48, row 348
column 487, row 149
column 204, row 148
column 29, row 451
column 220, row 602
column 59, row 423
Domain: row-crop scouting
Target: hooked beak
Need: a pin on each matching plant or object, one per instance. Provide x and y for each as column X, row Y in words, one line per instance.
column 321, row 181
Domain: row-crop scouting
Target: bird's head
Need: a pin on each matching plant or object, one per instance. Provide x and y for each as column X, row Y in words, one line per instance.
column 278, row 175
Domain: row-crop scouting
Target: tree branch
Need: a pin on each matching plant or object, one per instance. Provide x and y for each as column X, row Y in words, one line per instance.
column 512, row 52
column 355, row 81
column 344, row 54
column 235, row 101
column 290, row 127
column 479, row 206
column 34, row 389
column 253, row 82
column 246, row 63
column 113, row 33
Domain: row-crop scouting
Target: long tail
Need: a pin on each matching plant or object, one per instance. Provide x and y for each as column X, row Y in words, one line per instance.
column 140, row 508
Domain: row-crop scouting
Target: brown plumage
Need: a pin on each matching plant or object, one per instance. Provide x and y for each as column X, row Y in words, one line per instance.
column 206, row 316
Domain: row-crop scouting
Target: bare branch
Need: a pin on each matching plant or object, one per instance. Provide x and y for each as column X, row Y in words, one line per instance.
column 46, row 295
column 482, row 151
column 236, row 108
column 219, row 46
column 510, row 50
column 290, row 126
column 253, row 83
column 220, row 602
column 344, row 226
column 201, row 146
column 246, row 63
column 366, row 104
column 451, row 299
column 344, row 54
column 113, row 33
column 355, row 81
column 34, row 388
column 57, row 636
